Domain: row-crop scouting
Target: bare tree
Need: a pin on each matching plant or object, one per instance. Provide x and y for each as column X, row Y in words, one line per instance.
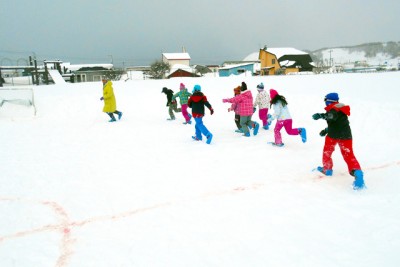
column 158, row 69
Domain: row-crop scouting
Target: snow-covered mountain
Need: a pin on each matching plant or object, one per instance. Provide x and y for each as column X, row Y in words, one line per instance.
column 370, row 54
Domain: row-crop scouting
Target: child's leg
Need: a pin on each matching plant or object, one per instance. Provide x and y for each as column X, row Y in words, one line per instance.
column 185, row 113
column 111, row 116
column 346, row 148
column 262, row 113
column 244, row 120
column 288, row 127
column 329, row 147
column 237, row 121
column 170, row 111
column 175, row 107
column 201, row 128
column 277, row 131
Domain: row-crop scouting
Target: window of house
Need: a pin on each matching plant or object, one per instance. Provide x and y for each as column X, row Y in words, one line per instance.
column 273, row 61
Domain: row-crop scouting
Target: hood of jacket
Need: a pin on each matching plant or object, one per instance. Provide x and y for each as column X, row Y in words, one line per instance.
column 339, row 107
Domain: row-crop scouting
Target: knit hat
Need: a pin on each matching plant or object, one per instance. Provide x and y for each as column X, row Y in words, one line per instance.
column 196, row 88
column 182, row 86
column 331, row 97
column 260, row 86
column 164, row 90
column 273, row 93
column 236, row 90
column 244, row 87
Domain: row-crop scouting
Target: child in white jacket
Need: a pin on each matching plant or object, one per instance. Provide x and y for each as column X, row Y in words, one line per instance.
column 262, row 101
column 282, row 115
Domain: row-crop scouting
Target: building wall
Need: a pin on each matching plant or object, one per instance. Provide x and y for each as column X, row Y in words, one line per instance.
column 269, row 61
column 235, row 70
column 182, row 73
column 291, row 70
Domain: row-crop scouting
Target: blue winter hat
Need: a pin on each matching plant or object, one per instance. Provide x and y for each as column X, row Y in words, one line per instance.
column 331, row 97
column 260, row 86
column 196, row 88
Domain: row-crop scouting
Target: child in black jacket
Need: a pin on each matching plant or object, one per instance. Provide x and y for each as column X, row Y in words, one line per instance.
column 172, row 104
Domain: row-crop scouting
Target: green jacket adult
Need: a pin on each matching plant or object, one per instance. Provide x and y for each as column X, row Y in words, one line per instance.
column 110, row 104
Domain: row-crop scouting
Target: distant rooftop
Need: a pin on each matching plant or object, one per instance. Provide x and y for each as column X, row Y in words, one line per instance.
column 172, row 56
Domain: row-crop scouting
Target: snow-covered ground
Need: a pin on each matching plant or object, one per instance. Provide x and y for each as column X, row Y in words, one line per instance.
column 78, row 191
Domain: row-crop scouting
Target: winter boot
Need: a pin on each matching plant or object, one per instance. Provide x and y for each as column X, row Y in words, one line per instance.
column 196, row 139
column 358, row 183
column 303, row 134
column 239, row 131
column 247, row 134
column 269, row 121
column 119, row 115
column 278, row 145
column 209, row 138
column 256, row 127
column 266, row 127
column 112, row 119
column 326, row 172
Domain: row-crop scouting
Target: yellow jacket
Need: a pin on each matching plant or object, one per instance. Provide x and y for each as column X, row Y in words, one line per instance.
column 110, row 104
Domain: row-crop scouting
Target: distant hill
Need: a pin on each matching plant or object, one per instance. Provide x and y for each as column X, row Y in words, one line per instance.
column 371, row 53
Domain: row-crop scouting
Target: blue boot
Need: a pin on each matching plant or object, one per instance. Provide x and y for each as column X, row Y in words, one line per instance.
column 268, row 119
column 326, row 172
column 209, row 138
column 119, row 115
column 256, row 127
column 358, row 183
column 247, row 134
column 112, row 120
column 303, row 134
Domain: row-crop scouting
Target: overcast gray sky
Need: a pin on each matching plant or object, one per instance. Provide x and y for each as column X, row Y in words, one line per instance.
column 136, row 32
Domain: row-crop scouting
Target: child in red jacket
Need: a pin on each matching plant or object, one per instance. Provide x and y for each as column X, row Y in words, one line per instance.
column 338, row 132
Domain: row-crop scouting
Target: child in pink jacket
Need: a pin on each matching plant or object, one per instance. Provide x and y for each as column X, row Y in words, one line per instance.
column 244, row 103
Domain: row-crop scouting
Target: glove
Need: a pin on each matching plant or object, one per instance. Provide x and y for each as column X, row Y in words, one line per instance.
column 101, row 98
column 318, row 116
column 323, row 132
column 211, row 111
column 254, row 110
column 224, row 100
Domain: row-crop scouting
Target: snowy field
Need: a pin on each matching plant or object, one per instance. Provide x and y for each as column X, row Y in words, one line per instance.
column 77, row 191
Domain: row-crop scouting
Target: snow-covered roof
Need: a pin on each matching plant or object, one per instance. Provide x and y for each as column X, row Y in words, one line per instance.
column 176, row 67
column 278, row 52
column 172, row 56
column 71, row 67
column 235, row 66
column 286, row 63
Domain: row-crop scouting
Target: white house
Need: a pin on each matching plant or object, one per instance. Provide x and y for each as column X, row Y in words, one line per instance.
column 176, row 58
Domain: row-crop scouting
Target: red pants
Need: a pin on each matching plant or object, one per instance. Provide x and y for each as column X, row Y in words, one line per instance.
column 346, row 148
